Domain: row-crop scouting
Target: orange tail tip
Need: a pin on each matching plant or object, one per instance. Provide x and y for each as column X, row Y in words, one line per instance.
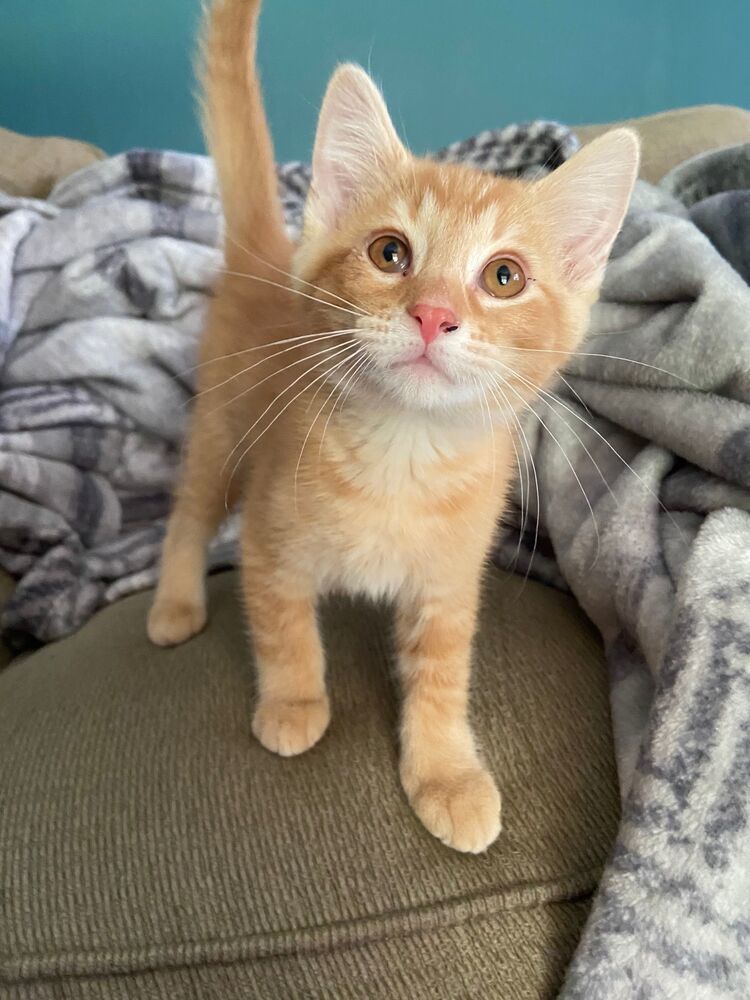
column 237, row 133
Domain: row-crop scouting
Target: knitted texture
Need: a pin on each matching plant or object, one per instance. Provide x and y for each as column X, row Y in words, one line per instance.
column 145, row 832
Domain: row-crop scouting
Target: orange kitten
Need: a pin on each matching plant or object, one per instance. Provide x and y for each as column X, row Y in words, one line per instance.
column 363, row 411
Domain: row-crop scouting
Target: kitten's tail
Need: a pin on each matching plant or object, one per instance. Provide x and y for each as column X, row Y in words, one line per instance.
column 238, row 137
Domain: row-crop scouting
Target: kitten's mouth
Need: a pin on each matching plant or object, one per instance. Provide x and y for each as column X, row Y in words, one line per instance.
column 421, row 362
column 422, row 366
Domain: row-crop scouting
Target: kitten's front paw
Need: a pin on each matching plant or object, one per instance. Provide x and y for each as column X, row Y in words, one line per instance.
column 171, row 622
column 462, row 810
column 291, row 727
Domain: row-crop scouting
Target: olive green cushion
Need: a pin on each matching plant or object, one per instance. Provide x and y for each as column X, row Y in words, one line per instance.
column 671, row 137
column 149, row 847
column 30, row 166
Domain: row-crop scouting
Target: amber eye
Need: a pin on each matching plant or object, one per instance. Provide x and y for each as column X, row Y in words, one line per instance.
column 390, row 254
column 503, row 278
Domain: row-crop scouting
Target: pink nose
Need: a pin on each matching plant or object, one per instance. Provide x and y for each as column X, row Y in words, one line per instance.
column 433, row 320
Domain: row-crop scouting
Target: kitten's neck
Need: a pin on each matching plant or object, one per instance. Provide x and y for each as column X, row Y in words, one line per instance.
column 392, row 450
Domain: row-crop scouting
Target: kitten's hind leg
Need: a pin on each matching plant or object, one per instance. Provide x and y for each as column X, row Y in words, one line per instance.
column 179, row 608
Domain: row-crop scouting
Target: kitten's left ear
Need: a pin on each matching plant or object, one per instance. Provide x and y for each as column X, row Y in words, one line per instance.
column 585, row 201
column 355, row 146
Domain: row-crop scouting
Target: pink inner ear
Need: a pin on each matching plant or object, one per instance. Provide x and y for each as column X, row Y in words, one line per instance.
column 334, row 188
column 354, row 144
column 586, row 255
column 585, row 201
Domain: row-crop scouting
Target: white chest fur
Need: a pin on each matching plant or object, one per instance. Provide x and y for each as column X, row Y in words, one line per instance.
column 386, row 525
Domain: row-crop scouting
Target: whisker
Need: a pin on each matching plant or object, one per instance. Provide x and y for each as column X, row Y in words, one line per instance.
column 484, row 351
column 337, row 349
column 607, row 357
column 567, row 459
column 355, row 375
column 309, row 432
column 627, row 465
column 279, row 371
column 244, row 371
column 571, row 389
column 287, row 288
column 333, row 409
column 268, row 426
column 492, row 433
column 262, row 347
column 288, row 274
column 358, row 377
column 524, row 512
column 314, row 397
column 484, row 415
column 525, row 447
column 545, row 397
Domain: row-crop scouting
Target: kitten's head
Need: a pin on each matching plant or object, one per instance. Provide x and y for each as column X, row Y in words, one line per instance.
column 463, row 284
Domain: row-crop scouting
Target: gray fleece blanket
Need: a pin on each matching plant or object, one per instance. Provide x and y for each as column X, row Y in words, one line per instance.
column 641, row 456
column 661, row 563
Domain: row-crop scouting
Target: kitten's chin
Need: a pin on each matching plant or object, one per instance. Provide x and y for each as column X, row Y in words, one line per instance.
column 420, row 386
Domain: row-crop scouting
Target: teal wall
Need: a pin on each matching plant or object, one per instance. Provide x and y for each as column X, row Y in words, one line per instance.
column 118, row 72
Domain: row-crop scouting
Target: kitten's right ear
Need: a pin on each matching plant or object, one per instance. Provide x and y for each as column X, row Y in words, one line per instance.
column 585, row 201
column 355, row 145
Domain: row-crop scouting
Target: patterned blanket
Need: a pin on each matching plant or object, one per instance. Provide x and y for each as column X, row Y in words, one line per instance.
column 642, row 463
